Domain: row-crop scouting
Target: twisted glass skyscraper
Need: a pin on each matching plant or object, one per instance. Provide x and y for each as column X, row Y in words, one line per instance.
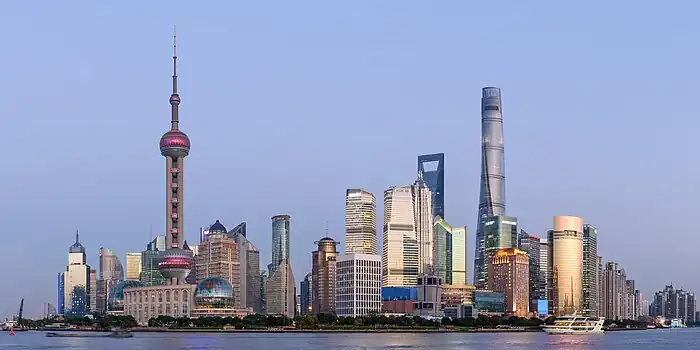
column 492, row 198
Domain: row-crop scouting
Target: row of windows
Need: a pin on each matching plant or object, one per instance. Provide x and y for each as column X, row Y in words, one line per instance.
column 142, row 296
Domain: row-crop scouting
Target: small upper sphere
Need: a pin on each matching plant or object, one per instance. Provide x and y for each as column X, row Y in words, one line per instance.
column 175, row 143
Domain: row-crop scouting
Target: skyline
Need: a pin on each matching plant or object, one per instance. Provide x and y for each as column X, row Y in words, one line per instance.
column 594, row 131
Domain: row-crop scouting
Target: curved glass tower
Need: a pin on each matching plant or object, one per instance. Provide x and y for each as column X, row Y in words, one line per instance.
column 492, row 198
column 280, row 240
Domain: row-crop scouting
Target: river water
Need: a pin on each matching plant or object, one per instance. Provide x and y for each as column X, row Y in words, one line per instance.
column 675, row 339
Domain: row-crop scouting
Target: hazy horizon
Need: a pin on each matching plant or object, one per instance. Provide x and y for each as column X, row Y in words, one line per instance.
column 287, row 106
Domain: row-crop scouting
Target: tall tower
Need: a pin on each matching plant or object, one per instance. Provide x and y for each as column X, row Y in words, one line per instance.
column 432, row 166
column 492, row 198
column 280, row 240
column 360, row 222
column 174, row 146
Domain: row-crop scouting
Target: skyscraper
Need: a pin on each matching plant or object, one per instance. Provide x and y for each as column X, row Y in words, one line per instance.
column 360, row 222
column 530, row 244
column 358, row 285
column 590, row 270
column 323, row 276
column 400, row 247
column 499, row 232
column 566, row 254
column 492, row 197
column 306, row 294
column 133, row 266
column 111, row 269
column 423, row 215
column 280, row 291
column 249, row 258
column 76, row 281
column 432, row 168
column 218, row 256
column 280, row 240
column 450, row 252
column 509, row 274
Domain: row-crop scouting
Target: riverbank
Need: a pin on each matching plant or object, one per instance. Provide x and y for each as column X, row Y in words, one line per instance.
column 615, row 329
column 377, row 330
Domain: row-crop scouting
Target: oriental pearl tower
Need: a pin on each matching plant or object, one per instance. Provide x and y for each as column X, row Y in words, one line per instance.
column 174, row 146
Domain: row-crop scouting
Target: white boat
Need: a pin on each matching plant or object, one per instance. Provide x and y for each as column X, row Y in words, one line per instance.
column 575, row 325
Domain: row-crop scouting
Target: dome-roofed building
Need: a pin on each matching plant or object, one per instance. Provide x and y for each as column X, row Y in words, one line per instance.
column 217, row 227
column 214, row 293
column 115, row 300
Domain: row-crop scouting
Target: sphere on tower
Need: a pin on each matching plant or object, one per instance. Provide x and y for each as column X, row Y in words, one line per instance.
column 177, row 263
column 175, row 144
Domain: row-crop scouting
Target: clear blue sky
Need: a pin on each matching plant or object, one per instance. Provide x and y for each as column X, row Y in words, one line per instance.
column 288, row 104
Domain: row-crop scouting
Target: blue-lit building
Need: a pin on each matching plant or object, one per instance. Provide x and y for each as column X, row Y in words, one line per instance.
column 543, row 307
column 487, row 302
column 399, row 293
column 432, row 166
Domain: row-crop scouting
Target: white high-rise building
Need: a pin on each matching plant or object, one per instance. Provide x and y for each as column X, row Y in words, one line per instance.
column 400, row 248
column 358, row 285
column 423, row 215
column 76, row 281
column 360, row 222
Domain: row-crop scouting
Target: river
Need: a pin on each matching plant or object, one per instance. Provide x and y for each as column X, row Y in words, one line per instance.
column 675, row 339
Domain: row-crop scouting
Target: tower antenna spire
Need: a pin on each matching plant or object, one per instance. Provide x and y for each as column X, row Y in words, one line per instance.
column 175, row 96
column 77, row 237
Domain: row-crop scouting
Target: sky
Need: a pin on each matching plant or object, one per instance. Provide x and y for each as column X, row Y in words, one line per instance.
column 287, row 104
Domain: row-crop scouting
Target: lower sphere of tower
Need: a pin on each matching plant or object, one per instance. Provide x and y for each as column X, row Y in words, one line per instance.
column 177, row 263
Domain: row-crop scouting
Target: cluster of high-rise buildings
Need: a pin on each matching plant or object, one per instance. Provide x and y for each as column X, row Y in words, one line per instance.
column 421, row 267
column 671, row 303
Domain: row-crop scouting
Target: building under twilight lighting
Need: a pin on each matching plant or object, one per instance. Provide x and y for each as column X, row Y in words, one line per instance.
column 509, row 274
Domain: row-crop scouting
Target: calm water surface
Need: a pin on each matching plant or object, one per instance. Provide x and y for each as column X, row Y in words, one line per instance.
column 653, row 339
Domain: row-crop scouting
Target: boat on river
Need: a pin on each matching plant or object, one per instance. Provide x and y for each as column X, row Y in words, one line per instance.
column 113, row 334
column 575, row 325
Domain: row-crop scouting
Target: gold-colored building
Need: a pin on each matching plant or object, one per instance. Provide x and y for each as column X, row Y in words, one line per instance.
column 218, row 257
column 133, row 266
column 566, row 259
column 509, row 274
column 323, row 273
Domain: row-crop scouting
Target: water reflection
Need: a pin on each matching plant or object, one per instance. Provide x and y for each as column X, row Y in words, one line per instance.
column 634, row 340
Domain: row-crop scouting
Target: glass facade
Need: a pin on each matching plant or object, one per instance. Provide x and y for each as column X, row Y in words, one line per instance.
column 115, row 301
column 450, row 252
column 213, row 293
column 492, row 196
column 443, row 250
column 530, row 244
column 566, row 253
column 499, row 232
column 590, row 270
column 360, row 222
column 280, row 240
column 490, row 302
column 432, row 168
column 399, row 293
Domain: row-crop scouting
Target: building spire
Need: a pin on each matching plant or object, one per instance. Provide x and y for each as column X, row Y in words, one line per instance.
column 77, row 237
column 175, row 96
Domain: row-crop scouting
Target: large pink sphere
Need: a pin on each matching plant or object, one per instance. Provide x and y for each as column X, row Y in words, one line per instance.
column 175, row 144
